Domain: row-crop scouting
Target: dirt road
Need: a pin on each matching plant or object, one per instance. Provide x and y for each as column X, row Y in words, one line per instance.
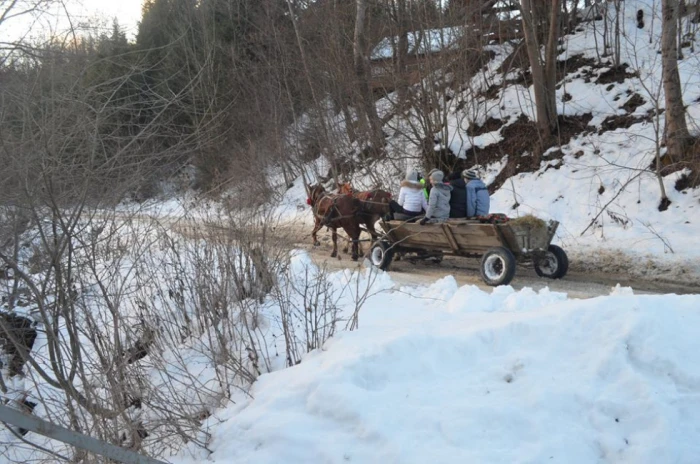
column 580, row 282
column 577, row 283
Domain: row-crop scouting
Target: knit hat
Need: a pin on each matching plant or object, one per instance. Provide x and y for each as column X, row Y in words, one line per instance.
column 467, row 174
column 432, row 171
column 437, row 175
column 411, row 175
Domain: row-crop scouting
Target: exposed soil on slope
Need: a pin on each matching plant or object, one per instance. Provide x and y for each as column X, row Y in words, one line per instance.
column 491, row 124
column 616, row 74
column 524, row 144
column 624, row 121
column 522, row 141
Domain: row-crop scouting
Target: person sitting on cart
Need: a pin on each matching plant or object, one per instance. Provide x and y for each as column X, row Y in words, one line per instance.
column 458, row 197
column 411, row 198
column 478, row 199
column 423, row 185
column 439, row 201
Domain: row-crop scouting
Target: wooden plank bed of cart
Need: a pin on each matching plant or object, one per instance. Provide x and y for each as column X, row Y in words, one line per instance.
column 500, row 246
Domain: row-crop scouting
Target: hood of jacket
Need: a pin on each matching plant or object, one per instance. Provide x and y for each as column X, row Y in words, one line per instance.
column 411, row 175
column 476, row 183
column 444, row 187
column 409, row 184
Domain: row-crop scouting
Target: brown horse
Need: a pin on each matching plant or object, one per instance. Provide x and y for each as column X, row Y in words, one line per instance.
column 335, row 211
column 375, row 204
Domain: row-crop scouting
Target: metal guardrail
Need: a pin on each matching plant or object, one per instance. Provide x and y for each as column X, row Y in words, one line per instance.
column 84, row 442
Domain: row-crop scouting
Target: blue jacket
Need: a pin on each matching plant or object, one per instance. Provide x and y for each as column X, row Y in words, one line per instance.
column 478, row 199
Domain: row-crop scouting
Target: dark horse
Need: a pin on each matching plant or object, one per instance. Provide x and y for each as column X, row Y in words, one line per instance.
column 375, row 205
column 335, row 211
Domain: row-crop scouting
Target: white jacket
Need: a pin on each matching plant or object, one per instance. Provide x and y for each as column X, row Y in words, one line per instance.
column 411, row 197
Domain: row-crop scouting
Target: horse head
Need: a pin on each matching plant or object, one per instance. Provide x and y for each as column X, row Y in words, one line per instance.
column 315, row 192
column 345, row 188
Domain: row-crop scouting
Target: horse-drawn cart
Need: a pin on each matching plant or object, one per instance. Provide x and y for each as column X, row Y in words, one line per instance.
column 500, row 246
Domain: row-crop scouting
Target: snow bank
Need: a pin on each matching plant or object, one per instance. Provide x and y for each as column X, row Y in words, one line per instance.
column 448, row 374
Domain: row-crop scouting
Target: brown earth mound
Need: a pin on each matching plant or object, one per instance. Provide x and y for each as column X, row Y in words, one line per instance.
column 524, row 145
column 624, row 121
column 616, row 74
column 491, row 124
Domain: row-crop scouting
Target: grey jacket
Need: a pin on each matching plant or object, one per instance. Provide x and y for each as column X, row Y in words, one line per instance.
column 439, row 203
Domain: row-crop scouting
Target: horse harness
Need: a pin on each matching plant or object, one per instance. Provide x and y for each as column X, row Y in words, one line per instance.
column 327, row 218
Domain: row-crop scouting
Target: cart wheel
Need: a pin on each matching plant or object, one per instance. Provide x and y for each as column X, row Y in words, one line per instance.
column 381, row 254
column 554, row 264
column 498, row 266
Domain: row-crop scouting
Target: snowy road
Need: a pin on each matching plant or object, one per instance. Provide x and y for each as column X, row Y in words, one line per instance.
column 579, row 282
column 576, row 284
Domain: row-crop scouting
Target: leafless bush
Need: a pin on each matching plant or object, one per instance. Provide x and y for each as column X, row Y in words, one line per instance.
column 308, row 313
column 146, row 328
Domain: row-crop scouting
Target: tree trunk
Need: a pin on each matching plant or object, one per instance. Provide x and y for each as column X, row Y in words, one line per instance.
column 349, row 123
column 677, row 136
column 551, row 64
column 363, row 77
column 401, row 53
column 543, row 71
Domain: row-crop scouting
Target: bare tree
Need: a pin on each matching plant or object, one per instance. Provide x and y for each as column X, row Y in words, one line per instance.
column 677, row 136
column 536, row 16
column 362, row 74
column 11, row 11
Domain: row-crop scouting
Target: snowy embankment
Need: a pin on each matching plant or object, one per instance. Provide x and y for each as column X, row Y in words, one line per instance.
column 601, row 189
column 600, row 184
column 448, row 374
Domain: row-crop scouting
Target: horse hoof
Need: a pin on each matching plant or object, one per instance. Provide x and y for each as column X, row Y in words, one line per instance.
column 354, row 257
column 317, row 244
column 334, row 254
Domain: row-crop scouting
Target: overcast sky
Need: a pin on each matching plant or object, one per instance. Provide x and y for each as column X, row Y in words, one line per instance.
column 98, row 12
column 128, row 12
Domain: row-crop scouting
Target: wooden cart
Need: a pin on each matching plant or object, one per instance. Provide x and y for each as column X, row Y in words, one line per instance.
column 500, row 246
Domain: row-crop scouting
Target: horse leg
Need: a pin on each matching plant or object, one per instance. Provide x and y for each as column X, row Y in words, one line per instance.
column 317, row 227
column 355, row 248
column 359, row 245
column 370, row 228
column 335, row 243
column 369, row 225
column 354, row 234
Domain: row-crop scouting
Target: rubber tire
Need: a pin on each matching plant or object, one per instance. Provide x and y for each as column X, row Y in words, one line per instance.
column 562, row 263
column 387, row 254
column 505, row 256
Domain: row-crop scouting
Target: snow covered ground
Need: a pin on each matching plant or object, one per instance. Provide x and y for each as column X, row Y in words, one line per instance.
column 600, row 173
column 598, row 187
column 447, row 374
column 442, row 373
